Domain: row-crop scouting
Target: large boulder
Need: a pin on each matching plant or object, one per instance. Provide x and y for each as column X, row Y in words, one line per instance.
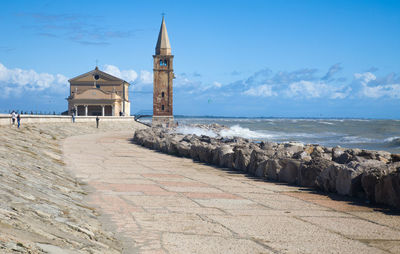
column 336, row 153
column 241, row 157
column 374, row 171
column 326, row 180
column 387, row 190
column 148, row 142
column 348, row 180
column 272, row 168
column 286, row 150
column 343, row 156
column 303, row 156
column 195, row 150
column 201, row 151
column 172, row 143
column 395, row 157
column 261, row 170
column 269, row 148
column 310, row 170
column 163, row 146
column 184, row 149
column 321, row 152
column 140, row 136
column 375, row 155
column 289, row 171
column 206, row 153
column 293, row 148
column 219, row 155
column 226, row 160
column 156, row 143
column 256, row 157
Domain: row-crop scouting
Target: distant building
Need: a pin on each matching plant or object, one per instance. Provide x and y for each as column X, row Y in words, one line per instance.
column 163, row 77
column 97, row 93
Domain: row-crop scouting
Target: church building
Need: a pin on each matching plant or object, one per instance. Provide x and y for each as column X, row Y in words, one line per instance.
column 163, row 73
column 97, row 93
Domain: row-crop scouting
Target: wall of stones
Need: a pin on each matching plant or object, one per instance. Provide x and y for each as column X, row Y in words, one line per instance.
column 5, row 119
column 370, row 175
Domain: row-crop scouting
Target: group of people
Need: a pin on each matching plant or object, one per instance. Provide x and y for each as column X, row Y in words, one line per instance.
column 15, row 116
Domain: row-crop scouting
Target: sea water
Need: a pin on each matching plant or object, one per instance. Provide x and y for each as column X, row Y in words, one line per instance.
column 349, row 133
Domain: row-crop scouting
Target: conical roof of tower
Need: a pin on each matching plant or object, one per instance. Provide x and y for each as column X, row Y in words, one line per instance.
column 163, row 47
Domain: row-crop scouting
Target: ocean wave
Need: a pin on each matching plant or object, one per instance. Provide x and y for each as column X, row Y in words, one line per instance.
column 195, row 130
column 358, row 140
column 393, row 141
column 328, row 123
column 237, row 131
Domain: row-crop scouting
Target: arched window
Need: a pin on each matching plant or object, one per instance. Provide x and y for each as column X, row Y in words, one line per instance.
column 162, row 107
column 161, row 62
column 162, row 94
column 165, row 62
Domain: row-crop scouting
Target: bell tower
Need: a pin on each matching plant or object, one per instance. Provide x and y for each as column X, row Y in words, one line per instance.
column 163, row 76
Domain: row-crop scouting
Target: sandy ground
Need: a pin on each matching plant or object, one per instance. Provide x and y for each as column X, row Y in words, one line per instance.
column 156, row 203
column 42, row 206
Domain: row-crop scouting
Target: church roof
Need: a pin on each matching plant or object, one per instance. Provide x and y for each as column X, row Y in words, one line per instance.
column 102, row 74
column 163, row 47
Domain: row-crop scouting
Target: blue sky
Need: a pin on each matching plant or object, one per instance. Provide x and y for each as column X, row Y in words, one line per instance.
column 232, row 58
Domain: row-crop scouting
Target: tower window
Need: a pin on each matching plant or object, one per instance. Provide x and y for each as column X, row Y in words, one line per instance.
column 97, row 86
column 162, row 94
column 161, row 62
column 165, row 62
column 162, row 107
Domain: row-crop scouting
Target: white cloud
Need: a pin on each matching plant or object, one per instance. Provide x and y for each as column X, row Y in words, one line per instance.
column 13, row 82
column 317, row 89
column 391, row 91
column 262, row 91
column 380, row 89
column 146, row 77
column 365, row 77
column 217, row 84
column 127, row 75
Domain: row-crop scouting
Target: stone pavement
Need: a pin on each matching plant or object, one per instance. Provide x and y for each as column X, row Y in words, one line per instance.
column 156, row 203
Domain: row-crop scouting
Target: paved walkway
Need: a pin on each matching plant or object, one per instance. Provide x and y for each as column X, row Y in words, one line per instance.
column 158, row 203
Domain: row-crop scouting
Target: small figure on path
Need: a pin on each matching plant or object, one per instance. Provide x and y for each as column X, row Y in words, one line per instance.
column 97, row 121
column 13, row 116
column 19, row 120
column 73, row 117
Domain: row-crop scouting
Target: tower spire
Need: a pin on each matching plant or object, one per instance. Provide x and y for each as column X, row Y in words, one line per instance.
column 163, row 47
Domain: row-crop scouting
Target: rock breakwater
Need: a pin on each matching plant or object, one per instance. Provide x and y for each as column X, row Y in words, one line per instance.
column 373, row 175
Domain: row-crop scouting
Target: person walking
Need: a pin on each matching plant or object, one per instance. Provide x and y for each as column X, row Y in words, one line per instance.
column 19, row 120
column 13, row 116
column 73, row 117
column 97, row 121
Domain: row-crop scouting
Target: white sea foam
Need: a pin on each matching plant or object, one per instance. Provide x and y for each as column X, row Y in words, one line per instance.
column 237, row 131
column 195, row 130
column 391, row 139
column 328, row 123
column 358, row 140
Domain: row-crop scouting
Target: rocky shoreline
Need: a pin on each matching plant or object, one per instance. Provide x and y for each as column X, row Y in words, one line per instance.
column 42, row 205
column 370, row 175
